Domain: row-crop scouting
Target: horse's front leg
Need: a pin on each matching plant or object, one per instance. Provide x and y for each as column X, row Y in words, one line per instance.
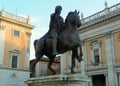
column 50, row 63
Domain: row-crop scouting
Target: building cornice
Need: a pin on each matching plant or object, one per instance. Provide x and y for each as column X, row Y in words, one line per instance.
column 9, row 17
column 16, row 22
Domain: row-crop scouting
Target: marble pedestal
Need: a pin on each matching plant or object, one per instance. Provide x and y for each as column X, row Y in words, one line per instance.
column 58, row 80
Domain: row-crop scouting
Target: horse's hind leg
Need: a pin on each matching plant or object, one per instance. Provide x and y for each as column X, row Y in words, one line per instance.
column 38, row 56
column 51, row 58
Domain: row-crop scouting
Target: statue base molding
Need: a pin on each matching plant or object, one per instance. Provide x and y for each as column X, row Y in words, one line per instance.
column 58, row 80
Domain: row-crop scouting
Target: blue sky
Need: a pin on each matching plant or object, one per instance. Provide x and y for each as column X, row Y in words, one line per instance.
column 40, row 10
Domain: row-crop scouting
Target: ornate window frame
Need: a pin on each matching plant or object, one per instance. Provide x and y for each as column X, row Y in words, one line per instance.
column 16, row 54
column 95, row 45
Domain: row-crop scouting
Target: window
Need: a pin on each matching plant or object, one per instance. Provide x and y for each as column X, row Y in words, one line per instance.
column 16, row 33
column 14, row 61
column 14, row 58
column 95, row 52
column 96, row 57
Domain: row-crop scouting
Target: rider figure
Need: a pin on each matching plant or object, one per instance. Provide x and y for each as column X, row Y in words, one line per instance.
column 56, row 24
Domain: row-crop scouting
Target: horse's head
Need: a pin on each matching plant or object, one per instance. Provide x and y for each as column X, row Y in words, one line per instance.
column 73, row 19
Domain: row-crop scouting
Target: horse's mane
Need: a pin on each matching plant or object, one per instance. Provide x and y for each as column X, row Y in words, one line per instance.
column 67, row 18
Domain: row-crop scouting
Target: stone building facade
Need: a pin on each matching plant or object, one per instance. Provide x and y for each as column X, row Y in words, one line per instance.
column 15, row 33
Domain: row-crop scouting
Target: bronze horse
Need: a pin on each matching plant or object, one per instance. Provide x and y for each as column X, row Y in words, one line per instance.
column 68, row 40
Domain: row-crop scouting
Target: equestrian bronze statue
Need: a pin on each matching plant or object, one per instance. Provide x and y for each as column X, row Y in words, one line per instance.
column 68, row 40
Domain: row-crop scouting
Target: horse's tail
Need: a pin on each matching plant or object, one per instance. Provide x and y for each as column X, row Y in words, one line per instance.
column 35, row 44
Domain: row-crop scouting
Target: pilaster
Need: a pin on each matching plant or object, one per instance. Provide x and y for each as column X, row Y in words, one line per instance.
column 106, row 79
column 2, row 43
column 118, row 79
column 63, row 63
column 84, row 61
column 90, row 81
column 27, row 51
column 109, row 56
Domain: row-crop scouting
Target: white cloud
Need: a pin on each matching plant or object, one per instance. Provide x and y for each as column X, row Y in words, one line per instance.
column 35, row 19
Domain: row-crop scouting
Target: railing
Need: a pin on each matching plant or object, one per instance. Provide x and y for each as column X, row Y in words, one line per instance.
column 114, row 7
column 14, row 17
column 101, row 13
column 94, row 16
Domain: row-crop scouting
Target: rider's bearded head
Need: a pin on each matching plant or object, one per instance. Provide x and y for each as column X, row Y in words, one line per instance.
column 58, row 9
